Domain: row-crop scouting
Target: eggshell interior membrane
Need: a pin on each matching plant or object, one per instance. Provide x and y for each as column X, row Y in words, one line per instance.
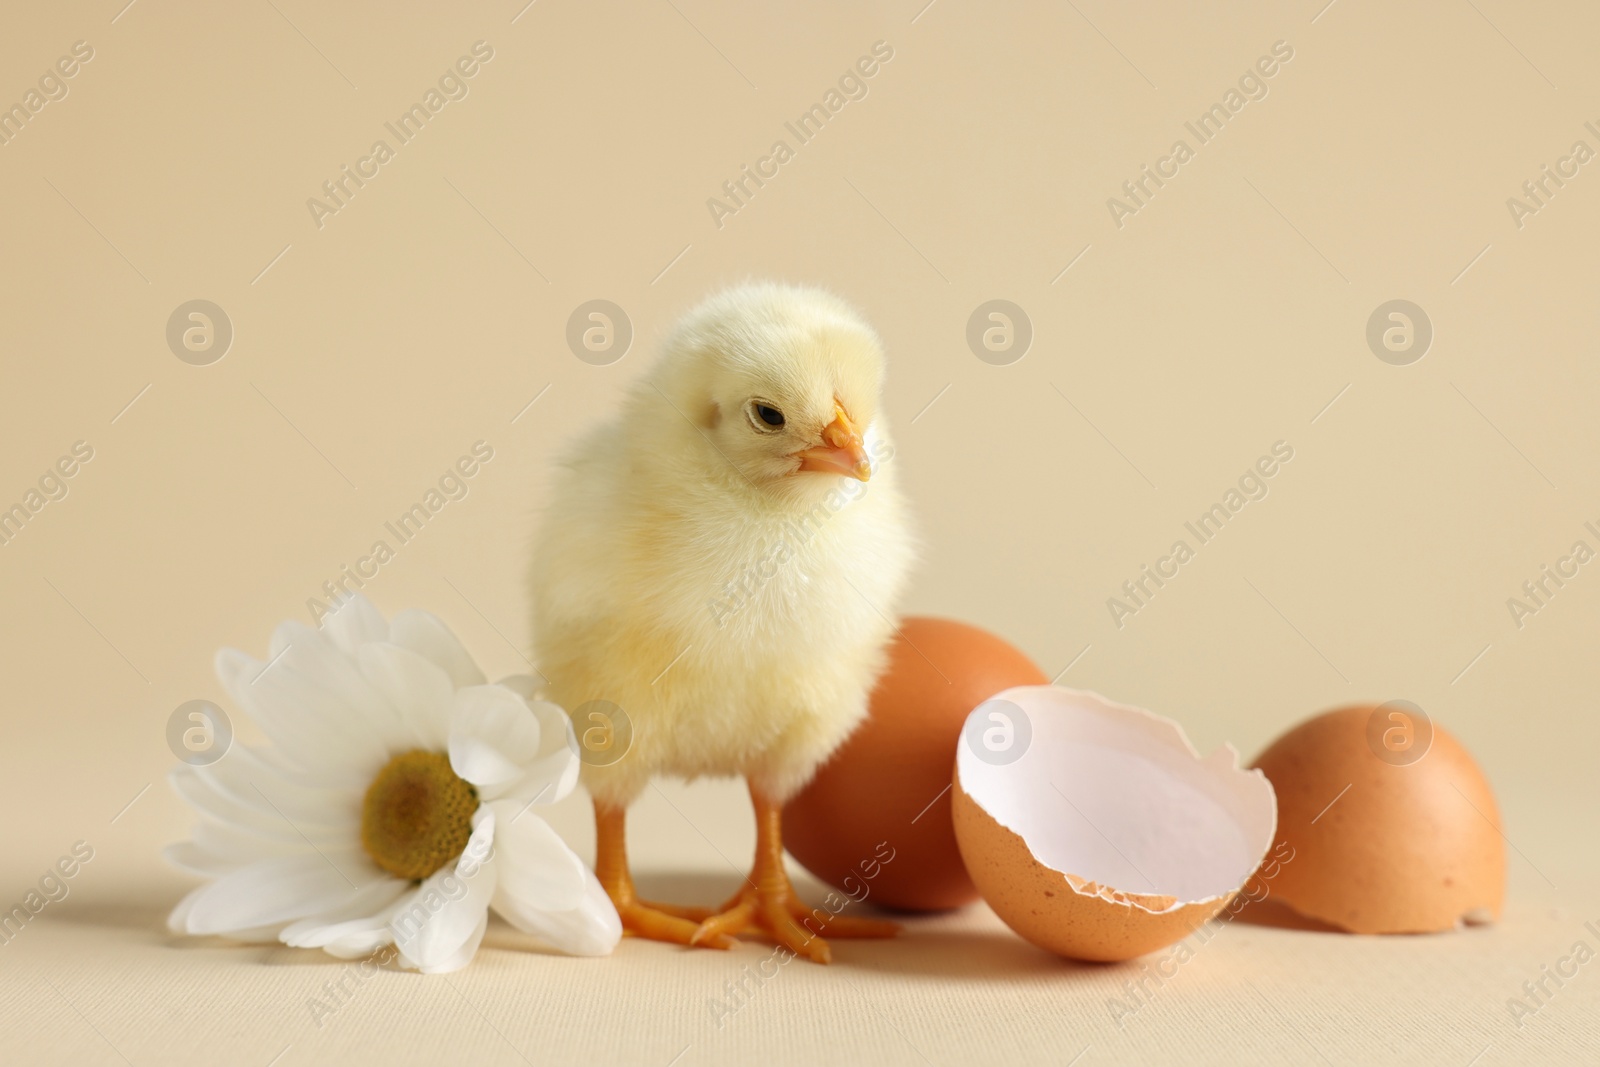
column 1109, row 836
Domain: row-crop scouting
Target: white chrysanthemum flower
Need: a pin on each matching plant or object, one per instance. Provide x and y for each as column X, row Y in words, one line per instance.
column 393, row 806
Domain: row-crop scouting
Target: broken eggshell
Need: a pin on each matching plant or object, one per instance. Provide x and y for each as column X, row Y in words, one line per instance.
column 1394, row 826
column 1094, row 829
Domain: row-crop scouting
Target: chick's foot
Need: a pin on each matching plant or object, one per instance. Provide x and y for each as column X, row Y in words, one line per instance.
column 641, row 918
column 779, row 913
column 768, row 903
column 662, row 922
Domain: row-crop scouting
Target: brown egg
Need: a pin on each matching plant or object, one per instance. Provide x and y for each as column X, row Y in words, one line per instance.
column 1095, row 830
column 890, row 782
column 1393, row 827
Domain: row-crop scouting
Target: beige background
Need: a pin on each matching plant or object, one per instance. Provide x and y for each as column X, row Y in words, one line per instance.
column 1226, row 315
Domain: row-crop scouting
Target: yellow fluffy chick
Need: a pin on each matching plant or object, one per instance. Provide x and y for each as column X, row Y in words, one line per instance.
column 722, row 561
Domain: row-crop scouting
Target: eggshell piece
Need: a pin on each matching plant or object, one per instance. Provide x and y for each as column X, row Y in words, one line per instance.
column 890, row 781
column 1108, row 836
column 1385, row 841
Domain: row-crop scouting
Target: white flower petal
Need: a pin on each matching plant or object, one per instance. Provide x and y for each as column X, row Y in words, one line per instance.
column 316, row 737
column 354, row 622
column 187, row 856
column 423, row 632
column 415, row 686
column 366, row 910
column 311, row 681
column 277, row 892
column 280, row 767
column 546, row 781
column 538, row 872
column 208, row 800
column 558, row 756
column 240, row 848
column 359, row 943
column 459, row 959
column 525, row 686
column 554, row 773
column 451, row 903
column 493, row 735
column 178, row 921
column 235, row 670
column 590, row 929
column 238, row 671
column 244, row 777
column 363, row 937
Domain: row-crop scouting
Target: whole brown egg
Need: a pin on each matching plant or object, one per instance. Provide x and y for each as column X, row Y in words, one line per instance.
column 886, row 791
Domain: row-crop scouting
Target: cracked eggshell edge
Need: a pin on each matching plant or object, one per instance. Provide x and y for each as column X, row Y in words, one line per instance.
column 1061, row 911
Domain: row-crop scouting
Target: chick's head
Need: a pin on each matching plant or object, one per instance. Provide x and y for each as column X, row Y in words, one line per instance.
column 784, row 384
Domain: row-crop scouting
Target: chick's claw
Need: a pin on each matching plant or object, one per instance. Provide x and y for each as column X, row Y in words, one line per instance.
column 731, row 921
column 653, row 922
column 680, row 911
column 846, row 926
column 770, row 912
column 781, row 915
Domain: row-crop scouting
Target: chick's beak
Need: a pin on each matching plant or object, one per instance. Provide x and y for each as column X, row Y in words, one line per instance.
column 841, row 451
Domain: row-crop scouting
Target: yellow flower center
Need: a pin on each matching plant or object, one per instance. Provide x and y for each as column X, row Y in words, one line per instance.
column 417, row 815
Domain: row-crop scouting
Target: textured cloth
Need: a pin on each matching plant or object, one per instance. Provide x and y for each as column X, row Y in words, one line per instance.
column 98, row 972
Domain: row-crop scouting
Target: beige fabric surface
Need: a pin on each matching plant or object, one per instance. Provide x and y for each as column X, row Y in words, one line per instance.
column 1172, row 345
column 96, row 980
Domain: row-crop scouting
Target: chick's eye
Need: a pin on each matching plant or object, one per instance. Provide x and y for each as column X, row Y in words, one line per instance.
column 769, row 415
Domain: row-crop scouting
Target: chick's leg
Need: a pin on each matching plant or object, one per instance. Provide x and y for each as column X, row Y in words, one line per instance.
column 658, row 922
column 767, row 901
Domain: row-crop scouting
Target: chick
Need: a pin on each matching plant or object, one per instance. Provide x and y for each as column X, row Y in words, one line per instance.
column 715, row 563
